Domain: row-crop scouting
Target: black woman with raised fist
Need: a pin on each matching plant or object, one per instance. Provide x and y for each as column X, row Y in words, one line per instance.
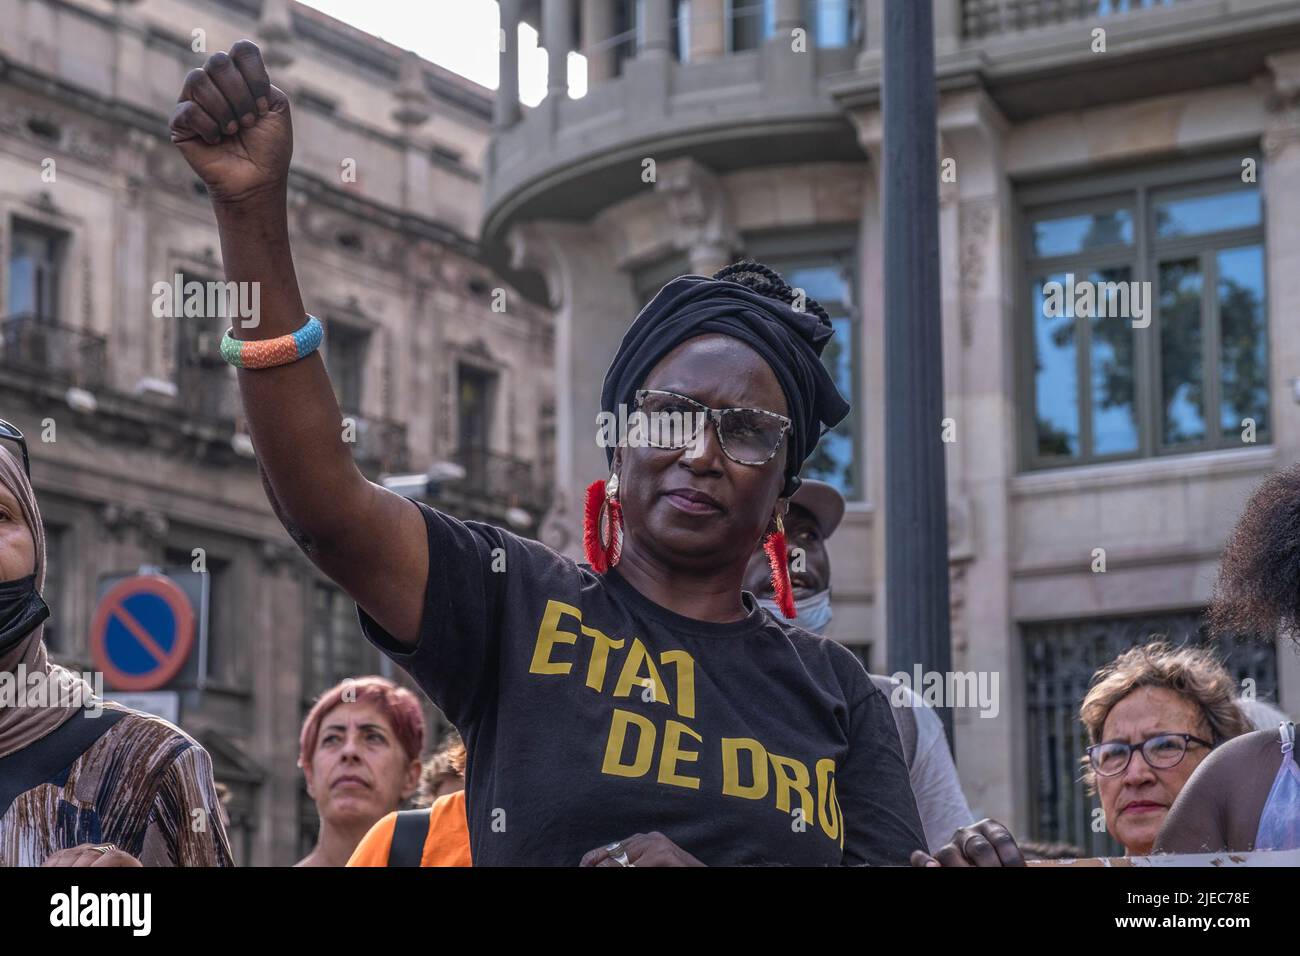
column 639, row 709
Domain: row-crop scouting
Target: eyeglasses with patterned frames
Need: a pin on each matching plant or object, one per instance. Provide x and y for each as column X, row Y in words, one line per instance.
column 749, row 436
column 11, row 433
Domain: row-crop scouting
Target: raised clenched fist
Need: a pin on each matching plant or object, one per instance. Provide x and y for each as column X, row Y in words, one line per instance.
column 233, row 126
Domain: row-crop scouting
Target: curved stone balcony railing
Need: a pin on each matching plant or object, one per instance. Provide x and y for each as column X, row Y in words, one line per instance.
column 568, row 158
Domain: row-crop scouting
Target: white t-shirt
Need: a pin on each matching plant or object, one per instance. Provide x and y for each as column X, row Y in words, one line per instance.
column 939, row 798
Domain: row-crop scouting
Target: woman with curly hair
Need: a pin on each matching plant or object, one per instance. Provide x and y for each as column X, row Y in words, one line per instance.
column 1246, row 795
column 1153, row 715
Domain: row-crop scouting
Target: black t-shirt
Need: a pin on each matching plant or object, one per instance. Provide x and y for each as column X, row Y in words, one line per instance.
column 590, row 713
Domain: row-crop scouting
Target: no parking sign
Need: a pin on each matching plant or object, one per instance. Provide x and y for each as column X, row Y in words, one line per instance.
column 142, row 633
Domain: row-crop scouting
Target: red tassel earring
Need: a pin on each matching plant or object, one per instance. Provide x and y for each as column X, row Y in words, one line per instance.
column 775, row 547
column 602, row 525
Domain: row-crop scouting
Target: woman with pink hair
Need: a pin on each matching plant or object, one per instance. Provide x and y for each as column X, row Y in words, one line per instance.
column 360, row 752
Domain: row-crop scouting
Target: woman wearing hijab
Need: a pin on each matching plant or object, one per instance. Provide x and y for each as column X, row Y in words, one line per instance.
column 637, row 710
column 83, row 782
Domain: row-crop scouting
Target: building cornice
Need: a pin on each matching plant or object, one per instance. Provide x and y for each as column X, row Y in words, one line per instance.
column 141, row 122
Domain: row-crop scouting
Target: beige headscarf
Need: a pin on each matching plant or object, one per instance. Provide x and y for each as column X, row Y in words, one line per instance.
column 21, row 726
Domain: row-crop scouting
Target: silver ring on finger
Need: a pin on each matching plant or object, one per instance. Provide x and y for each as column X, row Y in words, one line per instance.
column 618, row 854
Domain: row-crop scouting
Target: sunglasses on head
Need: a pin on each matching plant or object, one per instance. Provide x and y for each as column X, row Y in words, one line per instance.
column 11, row 433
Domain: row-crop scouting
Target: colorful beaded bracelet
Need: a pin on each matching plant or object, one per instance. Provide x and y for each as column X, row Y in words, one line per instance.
column 268, row 353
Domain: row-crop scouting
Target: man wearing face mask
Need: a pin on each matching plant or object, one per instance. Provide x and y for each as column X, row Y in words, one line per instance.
column 83, row 782
column 815, row 512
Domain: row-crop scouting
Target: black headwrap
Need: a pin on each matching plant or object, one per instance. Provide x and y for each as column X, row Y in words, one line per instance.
column 790, row 341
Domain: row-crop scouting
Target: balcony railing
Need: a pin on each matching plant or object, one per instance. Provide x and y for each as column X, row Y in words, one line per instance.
column 210, row 395
column 379, row 442
column 981, row 18
column 499, row 477
column 36, row 344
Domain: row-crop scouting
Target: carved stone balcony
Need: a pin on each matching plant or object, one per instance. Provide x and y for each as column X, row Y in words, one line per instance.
column 568, row 158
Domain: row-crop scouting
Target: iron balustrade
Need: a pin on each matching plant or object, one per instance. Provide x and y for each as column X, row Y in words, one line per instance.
column 982, row 18
column 209, row 394
column 378, row 441
column 37, row 344
column 499, row 477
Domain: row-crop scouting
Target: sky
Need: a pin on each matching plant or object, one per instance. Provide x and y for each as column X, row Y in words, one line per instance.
column 460, row 35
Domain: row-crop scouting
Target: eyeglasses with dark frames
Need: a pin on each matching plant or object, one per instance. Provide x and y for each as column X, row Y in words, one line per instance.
column 749, row 436
column 1161, row 752
column 11, row 433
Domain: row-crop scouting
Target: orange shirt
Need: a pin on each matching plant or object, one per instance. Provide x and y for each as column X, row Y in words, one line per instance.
column 447, row 843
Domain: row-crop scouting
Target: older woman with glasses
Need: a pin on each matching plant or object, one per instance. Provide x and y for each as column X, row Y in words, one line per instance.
column 637, row 710
column 1152, row 715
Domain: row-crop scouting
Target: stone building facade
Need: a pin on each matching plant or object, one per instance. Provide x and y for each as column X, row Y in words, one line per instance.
column 1154, row 142
column 139, row 455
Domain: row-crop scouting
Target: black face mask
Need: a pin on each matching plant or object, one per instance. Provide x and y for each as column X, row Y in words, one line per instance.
column 21, row 610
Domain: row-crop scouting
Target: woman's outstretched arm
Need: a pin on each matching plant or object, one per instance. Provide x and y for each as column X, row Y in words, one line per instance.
column 234, row 129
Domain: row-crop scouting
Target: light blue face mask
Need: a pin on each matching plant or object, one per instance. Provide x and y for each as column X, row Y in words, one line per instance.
column 812, row 613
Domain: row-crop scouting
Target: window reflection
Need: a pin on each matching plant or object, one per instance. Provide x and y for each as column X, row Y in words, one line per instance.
column 1180, row 351
column 752, row 22
column 829, row 280
column 1056, row 377
column 1195, row 374
column 1108, row 7
column 1071, row 234
column 1243, row 359
column 830, row 23
column 1197, row 215
column 1114, row 413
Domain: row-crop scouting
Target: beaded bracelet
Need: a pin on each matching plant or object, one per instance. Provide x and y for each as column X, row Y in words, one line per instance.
column 268, row 353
